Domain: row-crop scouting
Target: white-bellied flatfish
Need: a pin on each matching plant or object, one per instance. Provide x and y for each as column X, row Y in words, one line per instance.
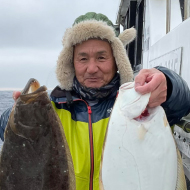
column 139, row 152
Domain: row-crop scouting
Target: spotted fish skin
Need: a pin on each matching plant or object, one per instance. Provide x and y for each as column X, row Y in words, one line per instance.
column 139, row 153
column 35, row 154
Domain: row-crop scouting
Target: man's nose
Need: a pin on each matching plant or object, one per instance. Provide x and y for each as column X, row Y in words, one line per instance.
column 92, row 66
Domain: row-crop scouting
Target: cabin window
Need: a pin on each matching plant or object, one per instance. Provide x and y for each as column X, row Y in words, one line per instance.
column 177, row 12
column 135, row 18
column 130, row 22
column 185, row 9
column 139, row 40
column 181, row 2
column 176, row 16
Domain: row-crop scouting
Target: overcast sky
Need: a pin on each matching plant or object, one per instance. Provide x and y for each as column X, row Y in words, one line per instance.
column 31, row 32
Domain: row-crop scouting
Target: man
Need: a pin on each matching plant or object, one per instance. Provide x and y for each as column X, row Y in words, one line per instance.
column 87, row 72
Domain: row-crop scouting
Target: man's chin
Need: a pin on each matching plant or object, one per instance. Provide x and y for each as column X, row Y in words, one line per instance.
column 93, row 85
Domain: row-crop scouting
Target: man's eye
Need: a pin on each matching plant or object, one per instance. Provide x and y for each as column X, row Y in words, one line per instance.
column 101, row 58
column 83, row 59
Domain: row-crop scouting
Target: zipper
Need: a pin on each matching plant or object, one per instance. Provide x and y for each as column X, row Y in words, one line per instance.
column 91, row 147
column 91, row 143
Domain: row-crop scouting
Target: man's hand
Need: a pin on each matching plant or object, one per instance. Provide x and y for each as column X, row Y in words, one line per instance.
column 154, row 81
column 16, row 95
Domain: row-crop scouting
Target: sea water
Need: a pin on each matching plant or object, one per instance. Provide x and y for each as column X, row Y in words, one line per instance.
column 6, row 101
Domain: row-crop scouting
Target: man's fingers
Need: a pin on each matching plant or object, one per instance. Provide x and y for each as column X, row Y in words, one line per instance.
column 150, row 86
column 16, row 94
column 140, row 79
column 154, row 81
column 158, row 96
column 156, row 102
column 146, row 88
column 144, row 77
column 153, row 105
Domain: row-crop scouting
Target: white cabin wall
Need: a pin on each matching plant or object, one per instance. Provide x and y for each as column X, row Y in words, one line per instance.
column 179, row 37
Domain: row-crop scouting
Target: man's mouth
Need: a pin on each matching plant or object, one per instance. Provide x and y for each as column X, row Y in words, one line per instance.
column 92, row 79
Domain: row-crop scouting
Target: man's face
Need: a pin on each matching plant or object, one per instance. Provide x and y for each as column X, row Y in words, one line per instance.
column 94, row 63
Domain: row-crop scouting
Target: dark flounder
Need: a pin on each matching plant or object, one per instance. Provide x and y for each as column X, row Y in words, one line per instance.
column 35, row 154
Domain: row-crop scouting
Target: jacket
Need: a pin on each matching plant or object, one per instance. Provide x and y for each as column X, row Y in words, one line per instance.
column 85, row 128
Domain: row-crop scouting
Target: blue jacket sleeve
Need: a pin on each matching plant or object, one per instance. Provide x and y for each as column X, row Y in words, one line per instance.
column 177, row 104
column 3, row 122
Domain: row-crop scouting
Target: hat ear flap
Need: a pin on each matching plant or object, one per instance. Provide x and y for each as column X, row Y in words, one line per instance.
column 127, row 36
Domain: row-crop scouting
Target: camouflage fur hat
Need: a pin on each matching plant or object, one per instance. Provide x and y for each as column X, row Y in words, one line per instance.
column 92, row 25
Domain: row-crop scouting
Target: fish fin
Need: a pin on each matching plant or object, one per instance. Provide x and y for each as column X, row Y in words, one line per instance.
column 181, row 182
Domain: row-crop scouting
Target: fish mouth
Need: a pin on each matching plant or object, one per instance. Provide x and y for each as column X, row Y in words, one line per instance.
column 32, row 87
column 32, row 90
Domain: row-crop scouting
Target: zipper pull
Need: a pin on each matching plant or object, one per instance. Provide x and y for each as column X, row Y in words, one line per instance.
column 89, row 110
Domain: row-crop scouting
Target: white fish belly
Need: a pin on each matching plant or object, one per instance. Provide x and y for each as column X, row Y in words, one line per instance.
column 139, row 155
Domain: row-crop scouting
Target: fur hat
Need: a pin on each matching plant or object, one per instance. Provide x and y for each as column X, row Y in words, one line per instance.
column 92, row 25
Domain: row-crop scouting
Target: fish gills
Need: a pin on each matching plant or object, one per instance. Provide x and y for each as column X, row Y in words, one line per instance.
column 139, row 153
column 35, row 154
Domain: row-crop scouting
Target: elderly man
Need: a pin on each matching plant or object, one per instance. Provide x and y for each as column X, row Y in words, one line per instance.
column 87, row 72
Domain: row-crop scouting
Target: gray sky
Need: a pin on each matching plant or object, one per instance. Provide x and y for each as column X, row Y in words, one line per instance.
column 31, row 33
